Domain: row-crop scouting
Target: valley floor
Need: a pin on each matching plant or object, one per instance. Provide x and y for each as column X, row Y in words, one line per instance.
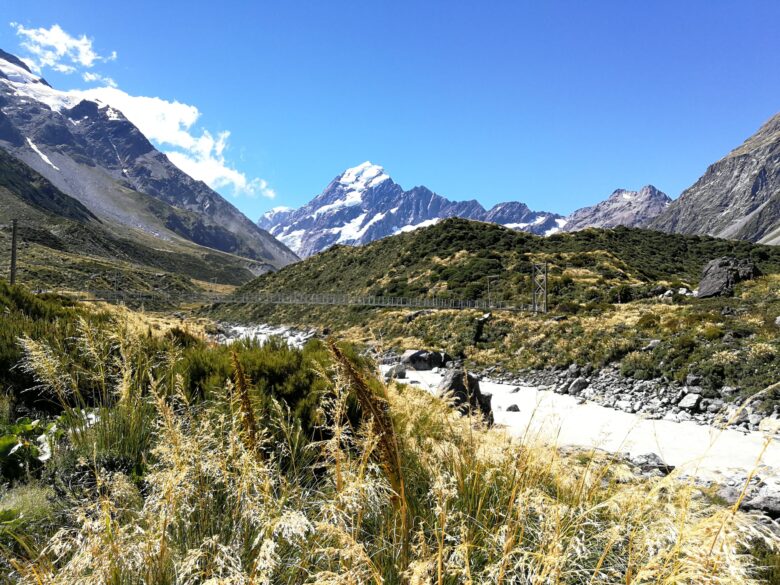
column 697, row 450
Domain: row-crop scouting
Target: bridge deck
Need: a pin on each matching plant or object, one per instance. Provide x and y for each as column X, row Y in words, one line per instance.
column 296, row 298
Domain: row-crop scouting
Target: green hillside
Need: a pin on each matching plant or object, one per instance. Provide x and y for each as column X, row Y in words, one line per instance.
column 454, row 257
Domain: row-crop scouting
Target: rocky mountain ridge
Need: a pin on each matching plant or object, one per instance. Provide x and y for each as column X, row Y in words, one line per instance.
column 92, row 153
column 738, row 197
column 622, row 208
column 364, row 204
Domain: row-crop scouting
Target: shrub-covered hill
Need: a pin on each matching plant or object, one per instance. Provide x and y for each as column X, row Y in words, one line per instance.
column 454, row 257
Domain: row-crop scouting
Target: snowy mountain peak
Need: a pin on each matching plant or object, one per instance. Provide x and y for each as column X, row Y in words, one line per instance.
column 364, row 204
column 363, row 176
column 20, row 81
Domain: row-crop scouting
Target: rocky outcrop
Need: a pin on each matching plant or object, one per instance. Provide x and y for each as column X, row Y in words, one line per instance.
column 720, row 275
column 463, row 388
column 738, row 197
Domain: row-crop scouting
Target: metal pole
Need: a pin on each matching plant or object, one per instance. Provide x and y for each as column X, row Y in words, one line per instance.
column 13, row 250
column 489, row 278
column 545, row 287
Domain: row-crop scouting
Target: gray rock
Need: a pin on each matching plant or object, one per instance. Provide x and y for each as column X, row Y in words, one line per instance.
column 721, row 275
column 651, row 345
column 573, row 371
column 650, row 462
column 578, row 386
column 421, row 360
column 513, row 408
column 777, row 321
column 396, row 372
column 690, row 401
column 767, row 500
column 414, row 314
column 692, row 380
column 465, row 391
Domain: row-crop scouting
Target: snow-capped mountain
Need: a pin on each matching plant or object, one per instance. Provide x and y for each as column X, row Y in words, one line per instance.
column 626, row 208
column 91, row 152
column 274, row 216
column 364, row 204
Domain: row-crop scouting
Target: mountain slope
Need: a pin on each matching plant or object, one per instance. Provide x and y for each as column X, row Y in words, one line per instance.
column 64, row 245
column 622, row 208
column 91, row 152
column 737, row 197
column 364, row 204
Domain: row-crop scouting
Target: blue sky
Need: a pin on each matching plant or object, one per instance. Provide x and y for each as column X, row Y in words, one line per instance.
column 553, row 103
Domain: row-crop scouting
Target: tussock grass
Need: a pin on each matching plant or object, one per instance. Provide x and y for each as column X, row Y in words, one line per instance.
column 409, row 492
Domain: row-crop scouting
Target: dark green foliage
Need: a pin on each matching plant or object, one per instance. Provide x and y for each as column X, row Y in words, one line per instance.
column 42, row 317
column 274, row 370
column 18, row 447
column 454, row 257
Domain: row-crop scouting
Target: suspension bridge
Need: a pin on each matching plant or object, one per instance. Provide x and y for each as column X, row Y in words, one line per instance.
column 299, row 298
column 167, row 297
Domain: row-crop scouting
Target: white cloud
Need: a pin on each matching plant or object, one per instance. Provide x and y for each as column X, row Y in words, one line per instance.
column 169, row 124
column 90, row 77
column 54, row 48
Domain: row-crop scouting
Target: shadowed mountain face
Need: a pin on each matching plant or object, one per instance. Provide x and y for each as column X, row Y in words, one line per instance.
column 64, row 244
column 626, row 208
column 364, row 204
column 738, row 197
column 91, row 152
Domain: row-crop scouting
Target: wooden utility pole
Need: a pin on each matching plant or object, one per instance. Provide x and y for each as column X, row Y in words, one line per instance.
column 13, row 250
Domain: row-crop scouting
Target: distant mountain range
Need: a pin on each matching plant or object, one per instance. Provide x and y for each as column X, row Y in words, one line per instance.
column 92, row 153
column 89, row 152
column 364, row 204
column 737, row 198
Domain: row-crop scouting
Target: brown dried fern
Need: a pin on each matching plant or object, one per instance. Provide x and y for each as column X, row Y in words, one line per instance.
column 246, row 413
column 376, row 409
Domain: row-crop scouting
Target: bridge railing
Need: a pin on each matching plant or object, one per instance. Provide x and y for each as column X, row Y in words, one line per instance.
column 300, row 298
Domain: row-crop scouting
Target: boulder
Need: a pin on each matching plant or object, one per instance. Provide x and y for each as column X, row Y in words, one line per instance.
column 464, row 389
column 767, row 500
column 651, row 345
column 578, row 385
column 396, row 372
column 414, row 314
column 421, row 360
column 720, row 275
column 690, row 401
column 692, row 380
column 513, row 408
column 650, row 463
